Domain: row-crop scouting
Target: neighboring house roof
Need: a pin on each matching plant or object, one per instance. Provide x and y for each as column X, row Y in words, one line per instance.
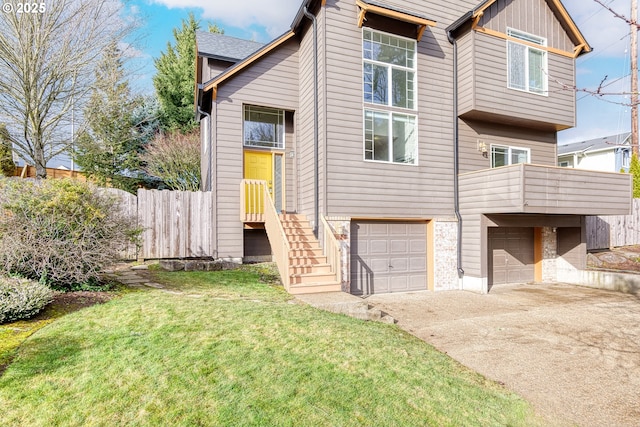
column 474, row 15
column 597, row 144
column 226, row 48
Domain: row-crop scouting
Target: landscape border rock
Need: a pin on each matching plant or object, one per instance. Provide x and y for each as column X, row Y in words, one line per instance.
column 197, row 265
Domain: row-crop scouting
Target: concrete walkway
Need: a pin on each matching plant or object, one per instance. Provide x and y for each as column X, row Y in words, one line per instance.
column 573, row 352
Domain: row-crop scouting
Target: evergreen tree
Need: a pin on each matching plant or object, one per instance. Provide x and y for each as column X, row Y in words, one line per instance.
column 7, row 166
column 634, row 170
column 174, row 80
column 119, row 125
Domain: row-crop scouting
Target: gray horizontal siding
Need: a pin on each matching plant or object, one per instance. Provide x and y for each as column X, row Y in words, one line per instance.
column 530, row 188
column 271, row 81
column 543, row 144
column 368, row 189
column 490, row 94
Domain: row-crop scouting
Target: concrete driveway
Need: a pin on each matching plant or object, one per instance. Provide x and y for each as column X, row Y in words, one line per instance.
column 573, row 352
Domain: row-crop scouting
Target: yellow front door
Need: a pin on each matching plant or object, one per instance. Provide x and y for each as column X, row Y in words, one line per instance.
column 259, row 165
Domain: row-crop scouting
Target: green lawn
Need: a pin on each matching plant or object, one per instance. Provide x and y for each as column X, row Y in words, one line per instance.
column 222, row 348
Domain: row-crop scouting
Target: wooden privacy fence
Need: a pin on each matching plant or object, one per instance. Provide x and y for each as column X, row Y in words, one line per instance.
column 604, row 232
column 176, row 224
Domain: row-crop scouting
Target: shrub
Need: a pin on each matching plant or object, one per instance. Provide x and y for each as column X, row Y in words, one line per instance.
column 22, row 298
column 60, row 232
column 175, row 159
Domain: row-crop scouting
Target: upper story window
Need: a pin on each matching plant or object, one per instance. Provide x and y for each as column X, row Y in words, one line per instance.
column 389, row 69
column 527, row 65
column 263, row 127
column 502, row 155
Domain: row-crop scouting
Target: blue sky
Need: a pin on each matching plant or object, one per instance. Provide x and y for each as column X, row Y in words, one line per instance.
column 262, row 20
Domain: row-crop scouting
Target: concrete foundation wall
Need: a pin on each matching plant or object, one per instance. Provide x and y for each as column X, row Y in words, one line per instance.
column 620, row 282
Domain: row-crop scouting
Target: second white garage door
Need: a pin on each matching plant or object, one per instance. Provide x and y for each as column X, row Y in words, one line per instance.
column 388, row 257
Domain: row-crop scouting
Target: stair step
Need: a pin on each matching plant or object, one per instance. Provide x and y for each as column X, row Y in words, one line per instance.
column 311, row 259
column 305, row 252
column 299, row 232
column 309, row 268
column 292, row 217
column 301, row 244
column 301, row 238
column 315, row 288
column 310, row 278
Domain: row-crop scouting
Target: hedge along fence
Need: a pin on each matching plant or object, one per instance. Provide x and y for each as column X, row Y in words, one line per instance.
column 176, row 224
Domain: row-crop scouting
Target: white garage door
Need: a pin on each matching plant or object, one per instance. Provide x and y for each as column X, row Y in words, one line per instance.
column 511, row 252
column 388, row 257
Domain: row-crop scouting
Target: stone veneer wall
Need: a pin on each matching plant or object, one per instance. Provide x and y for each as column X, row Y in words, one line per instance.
column 549, row 254
column 342, row 230
column 445, row 255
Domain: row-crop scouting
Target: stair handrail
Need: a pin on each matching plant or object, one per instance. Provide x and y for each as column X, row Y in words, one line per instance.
column 332, row 249
column 277, row 238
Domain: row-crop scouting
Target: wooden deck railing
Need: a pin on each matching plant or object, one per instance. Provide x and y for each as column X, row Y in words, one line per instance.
column 277, row 237
column 332, row 249
column 253, row 194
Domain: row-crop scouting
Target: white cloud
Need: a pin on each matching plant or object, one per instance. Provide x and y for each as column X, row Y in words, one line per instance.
column 273, row 15
column 130, row 51
column 608, row 35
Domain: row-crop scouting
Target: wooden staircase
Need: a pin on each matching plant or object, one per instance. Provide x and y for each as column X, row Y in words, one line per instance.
column 309, row 271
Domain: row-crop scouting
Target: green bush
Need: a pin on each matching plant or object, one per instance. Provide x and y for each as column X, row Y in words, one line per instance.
column 22, row 298
column 60, row 232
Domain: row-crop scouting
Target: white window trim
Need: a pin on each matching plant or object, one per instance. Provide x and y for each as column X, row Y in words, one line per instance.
column 284, row 127
column 391, row 66
column 389, row 108
column 530, row 38
column 390, row 124
column 509, row 153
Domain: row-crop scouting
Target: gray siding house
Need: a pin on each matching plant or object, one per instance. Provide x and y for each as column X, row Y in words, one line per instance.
column 399, row 146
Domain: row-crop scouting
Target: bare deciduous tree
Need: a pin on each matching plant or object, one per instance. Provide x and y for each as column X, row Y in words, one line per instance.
column 175, row 158
column 47, row 58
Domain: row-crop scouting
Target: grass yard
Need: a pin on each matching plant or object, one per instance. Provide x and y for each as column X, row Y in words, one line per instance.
column 224, row 348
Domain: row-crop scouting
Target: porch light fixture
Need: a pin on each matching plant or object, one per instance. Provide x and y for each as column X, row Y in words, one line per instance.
column 482, row 146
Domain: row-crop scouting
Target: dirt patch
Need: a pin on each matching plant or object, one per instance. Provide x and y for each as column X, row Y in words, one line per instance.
column 72, row 301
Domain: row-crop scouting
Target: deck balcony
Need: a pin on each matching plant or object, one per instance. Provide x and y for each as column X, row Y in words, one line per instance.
column 536, row 189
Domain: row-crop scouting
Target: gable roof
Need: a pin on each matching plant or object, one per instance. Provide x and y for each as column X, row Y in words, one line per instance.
column 226, row 48
column 212, row 85
column 582, row 46
column 597, row 144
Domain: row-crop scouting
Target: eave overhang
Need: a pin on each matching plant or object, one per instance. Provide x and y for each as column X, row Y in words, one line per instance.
column 212, row 85
column 370, row 7
column 473, row 17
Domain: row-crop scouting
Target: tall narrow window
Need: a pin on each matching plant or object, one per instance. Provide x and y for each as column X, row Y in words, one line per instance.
column 527, row 65
column 389, row 82
column 263, row 127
